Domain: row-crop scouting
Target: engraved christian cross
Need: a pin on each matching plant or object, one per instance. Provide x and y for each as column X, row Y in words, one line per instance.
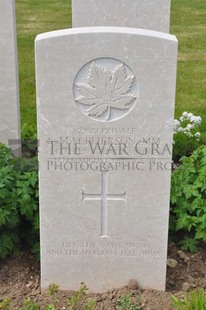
column 104, row 197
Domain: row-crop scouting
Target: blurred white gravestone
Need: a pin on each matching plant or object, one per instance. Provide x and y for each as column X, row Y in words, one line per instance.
column 105, row 125
column 9, row 89
column 149, row 14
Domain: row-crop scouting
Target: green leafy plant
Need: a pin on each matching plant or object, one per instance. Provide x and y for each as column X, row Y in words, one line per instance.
column 74, row 301
column 19, row 218
column 129, row 302
column 90, row 305
column 28, row 304
column 77, row 297
column 6, row 304
column 9, row 215
column 53, row 292
column 184, row 146
column 28, row 132
column 29, row 140
column 195, row 300
column 50, row 307
column 188, row 200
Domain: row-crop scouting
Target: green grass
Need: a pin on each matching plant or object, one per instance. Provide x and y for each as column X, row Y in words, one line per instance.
column 34, row 17
column 188, row 22
column 193, row 300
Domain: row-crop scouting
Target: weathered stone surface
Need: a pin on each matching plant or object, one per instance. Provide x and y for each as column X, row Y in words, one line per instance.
column 150, row 14
column 105, row 123
column 9, row 93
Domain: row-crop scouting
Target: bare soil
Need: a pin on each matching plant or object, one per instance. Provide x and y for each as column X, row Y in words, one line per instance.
column 20, row 276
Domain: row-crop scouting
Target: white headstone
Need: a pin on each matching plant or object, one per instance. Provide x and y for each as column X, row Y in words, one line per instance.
column 9, row 92
column 105, row 115
column 149, row 14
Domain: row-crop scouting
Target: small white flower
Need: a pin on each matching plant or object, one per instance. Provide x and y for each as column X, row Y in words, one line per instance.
column 198, row 120
column 182, row 118
column 180, row 129
column 190, row 126
column 184, row 114
column 176, row 124
column 193, row 119
column 189, row 115
column 197, row 134
column 187, row 123
column 189, row 134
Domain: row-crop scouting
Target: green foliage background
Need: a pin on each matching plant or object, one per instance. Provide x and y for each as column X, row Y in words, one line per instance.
column 19, row 216
column 188, row 199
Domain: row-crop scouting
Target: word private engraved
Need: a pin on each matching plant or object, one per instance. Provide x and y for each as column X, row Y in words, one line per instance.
column 104, row 197
column 105, row 89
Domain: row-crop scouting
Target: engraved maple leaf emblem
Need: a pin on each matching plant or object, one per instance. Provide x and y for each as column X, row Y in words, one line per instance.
column 106, row 90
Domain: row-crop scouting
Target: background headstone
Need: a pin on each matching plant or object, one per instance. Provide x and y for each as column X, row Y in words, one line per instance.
column 9, row 90
column 105, row 125
column 149, row 14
